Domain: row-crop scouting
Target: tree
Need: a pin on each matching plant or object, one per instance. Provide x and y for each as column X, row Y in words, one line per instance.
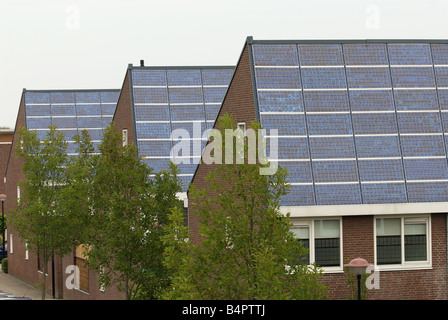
column 38, row 217
column 247, row 249
column 127, row 211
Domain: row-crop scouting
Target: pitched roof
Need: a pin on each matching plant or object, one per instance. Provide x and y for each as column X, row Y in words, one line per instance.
column 359, row 121
column 169, row 98
column 70, row 111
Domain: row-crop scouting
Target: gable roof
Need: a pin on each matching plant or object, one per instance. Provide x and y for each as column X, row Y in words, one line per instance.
column 70, row 111
column 169, row 98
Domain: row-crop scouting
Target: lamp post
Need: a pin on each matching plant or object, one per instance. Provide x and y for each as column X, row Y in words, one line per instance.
column 2, row 199
column 358, row 267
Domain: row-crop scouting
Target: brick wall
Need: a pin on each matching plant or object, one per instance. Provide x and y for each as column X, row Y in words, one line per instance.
column 358, row 241
column 123, row 114
column 239, row 102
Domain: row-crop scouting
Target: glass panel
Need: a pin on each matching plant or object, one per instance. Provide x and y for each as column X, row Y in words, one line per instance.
column 415, row 242
column 327, row 243
column 388, row 240
column 302, row 234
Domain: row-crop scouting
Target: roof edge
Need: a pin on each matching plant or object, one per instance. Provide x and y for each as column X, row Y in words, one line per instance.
column 346, row 41
column 131, row 67
column 70, row 90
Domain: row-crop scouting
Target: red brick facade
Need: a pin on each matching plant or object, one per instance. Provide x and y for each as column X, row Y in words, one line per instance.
column 239, row 102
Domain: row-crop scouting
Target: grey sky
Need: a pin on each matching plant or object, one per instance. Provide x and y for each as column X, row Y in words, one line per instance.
column 58, row 44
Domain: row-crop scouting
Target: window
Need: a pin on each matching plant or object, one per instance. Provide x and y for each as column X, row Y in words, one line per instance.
column 10, row 244
column 242, row 126
column 402, row 241
column 125, row 137
column 82, row 279
column 323, row 240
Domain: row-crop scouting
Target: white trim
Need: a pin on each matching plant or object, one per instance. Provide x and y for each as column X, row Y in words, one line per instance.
column 379, row 158
column 327, row 112
column 277, row 67
column 166, row 121
column 425, row 157
column 377, row 135
column 326, row 89
column 417, row 111
column 421, row 134
column 275, row 89
column 332, row 136
column 322, row 67
column 414, row 88
column 371, row 89
column 291, row 136
column 368, row 66
column 281, row 112
column 411, row 65
column 335, row 183
column 335, row 159
column 365, row 209
column 300, row 183
column 369, row 112
column 427, row 181
column 290, row 160
column 384, row 181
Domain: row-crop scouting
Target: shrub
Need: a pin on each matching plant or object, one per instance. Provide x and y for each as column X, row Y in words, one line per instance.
column 5, row 265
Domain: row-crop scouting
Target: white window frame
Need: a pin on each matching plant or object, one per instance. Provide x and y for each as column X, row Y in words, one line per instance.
column 310, row 224
column 410, row 264
column 27, row 256
column 10, row 244
column 242, row 126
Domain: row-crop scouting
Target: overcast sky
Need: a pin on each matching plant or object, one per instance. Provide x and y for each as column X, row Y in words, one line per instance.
column 88, row 44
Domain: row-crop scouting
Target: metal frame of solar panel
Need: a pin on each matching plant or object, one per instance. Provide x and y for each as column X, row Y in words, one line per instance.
column 360, row 122
column 70, row 111
column 169, row 98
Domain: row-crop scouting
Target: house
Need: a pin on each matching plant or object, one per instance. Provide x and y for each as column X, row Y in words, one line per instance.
column 361, row 128
column 70, row 111
column 156, row 102
column 5, row 146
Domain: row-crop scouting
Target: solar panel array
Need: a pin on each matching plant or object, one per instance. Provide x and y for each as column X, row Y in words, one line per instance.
column 71, row 111
column 165, row 99
column 359, row 123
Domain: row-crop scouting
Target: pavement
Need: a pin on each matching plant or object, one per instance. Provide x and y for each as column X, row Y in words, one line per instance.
column 12, row 288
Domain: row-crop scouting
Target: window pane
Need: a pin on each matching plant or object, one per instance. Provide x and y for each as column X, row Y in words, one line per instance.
column 302, row 234
column 415, row 242
column 388, row 241
column 327, row 243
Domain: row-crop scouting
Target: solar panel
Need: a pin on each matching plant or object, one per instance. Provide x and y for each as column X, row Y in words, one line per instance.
column 359, row 122
column 70, row 111
column 185, row 99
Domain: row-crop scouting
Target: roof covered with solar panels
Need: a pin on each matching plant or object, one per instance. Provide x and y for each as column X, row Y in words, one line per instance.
column 71, row 111
column 360, row 122
column 169, row 98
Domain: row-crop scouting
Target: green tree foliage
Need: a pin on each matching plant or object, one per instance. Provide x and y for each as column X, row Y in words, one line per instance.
column 39, row 218
column 247, row 249
column 126, row 211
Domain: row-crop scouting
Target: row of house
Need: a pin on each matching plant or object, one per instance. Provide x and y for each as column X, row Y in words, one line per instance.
column 361, row 128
